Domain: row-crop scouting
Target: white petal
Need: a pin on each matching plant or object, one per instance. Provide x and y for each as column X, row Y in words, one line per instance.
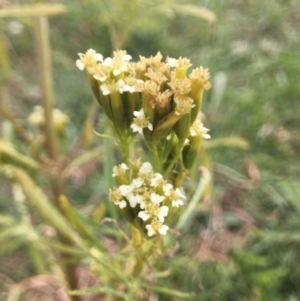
column 115, row 169
column 179, row 193
column 99, row 57
column 163, row 230
column 145, row 168
column 136, row 183
column 127, row 57
column 116, row 72
column 91, row 52
column 163, row 211
column 136, row 128
column 122, row 204
column 124, row 166
column 104, row 89
column 177, row 203
column 150, row 230
column 143, row 215
column 124, row 68
column 139, row 113
column 80, row 65
column 156, row 198
column 150, row 127
column 172, row 62
column 167, row 189
column 107, row 61
column 157, row 176
column 124, row 189
column 101, row 78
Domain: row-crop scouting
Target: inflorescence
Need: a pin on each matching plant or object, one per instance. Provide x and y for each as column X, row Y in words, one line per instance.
column 160, row 101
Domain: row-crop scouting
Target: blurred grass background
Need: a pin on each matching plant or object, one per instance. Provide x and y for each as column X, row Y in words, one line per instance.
column 245, row 244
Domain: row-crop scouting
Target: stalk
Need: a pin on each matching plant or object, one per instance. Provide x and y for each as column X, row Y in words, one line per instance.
column 52, row 147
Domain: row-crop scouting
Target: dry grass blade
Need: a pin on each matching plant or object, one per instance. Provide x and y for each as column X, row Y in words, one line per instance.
column 196, row 11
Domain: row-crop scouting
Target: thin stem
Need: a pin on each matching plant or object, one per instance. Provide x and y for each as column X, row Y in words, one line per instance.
column 44, row 59
column 43, row 48
column 155, row 158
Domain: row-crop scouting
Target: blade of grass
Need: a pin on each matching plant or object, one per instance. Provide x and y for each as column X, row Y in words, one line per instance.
column 188, row 215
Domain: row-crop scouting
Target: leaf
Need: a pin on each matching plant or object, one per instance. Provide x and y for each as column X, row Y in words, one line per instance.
column 188, row 215
column 9, row 155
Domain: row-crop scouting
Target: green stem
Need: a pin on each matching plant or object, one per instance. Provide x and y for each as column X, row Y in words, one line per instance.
column 44, row 60
column 155, row 158
column 174, row 160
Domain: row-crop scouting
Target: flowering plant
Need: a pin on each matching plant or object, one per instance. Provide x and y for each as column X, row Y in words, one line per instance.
column 159, row 101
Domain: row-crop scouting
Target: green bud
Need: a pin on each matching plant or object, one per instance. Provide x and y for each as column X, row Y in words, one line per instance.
column 182, row 127
column 163, row 127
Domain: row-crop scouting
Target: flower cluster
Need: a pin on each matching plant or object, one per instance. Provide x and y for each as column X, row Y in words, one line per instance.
column 148, row 199
column 150, row 96
column 60, row 120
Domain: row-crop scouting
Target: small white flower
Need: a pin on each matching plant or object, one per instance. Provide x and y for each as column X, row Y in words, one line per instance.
column 140, row 122
column 197, row 128
column 156, row 227
column 119, row 169
column 176, row 197
column 88, row 59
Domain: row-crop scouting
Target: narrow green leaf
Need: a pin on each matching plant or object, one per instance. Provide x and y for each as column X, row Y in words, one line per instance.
column 188, row 215
column 93, row 290
column 39, row 200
